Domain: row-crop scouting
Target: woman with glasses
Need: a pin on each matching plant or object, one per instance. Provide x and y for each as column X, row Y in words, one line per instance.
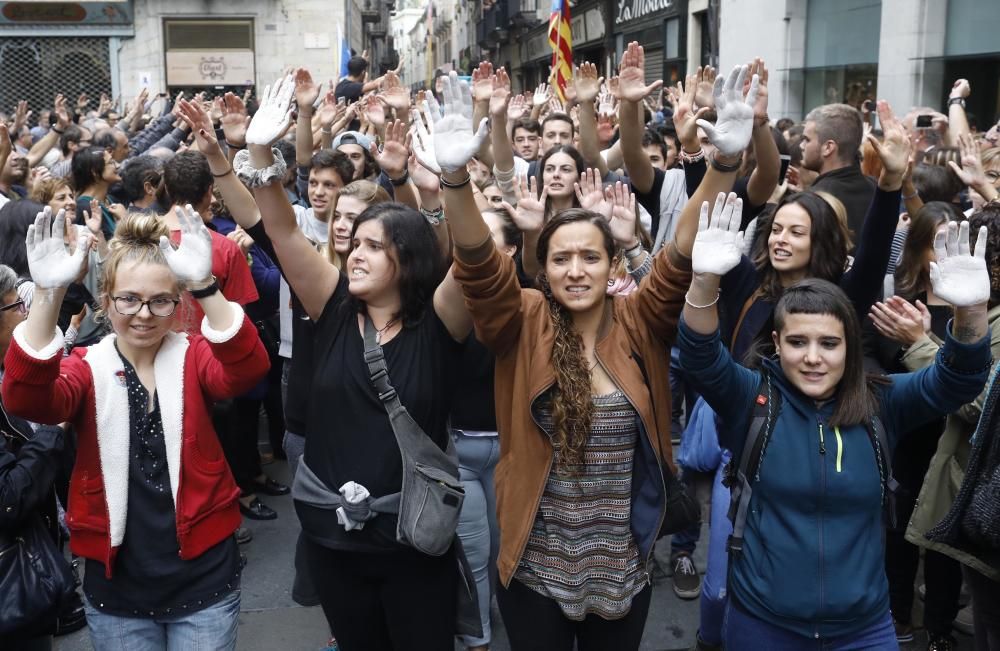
column 153, row 505
column 94, row 171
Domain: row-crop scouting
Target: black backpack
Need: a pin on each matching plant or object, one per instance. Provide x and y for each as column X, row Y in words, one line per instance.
column 740, row 478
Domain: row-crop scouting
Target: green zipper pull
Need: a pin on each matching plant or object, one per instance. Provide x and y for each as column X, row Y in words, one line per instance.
column 822, row 442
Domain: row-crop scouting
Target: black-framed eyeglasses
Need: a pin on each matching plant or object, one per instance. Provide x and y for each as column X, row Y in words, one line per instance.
column 16, row 305
column 132, row 305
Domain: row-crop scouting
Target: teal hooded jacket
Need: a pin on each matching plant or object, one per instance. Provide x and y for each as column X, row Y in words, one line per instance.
column 813, row 551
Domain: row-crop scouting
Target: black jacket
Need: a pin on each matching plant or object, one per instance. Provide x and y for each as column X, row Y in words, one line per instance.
column 855, row 191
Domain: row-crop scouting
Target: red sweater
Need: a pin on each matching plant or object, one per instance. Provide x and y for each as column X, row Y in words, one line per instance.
column 88, row 390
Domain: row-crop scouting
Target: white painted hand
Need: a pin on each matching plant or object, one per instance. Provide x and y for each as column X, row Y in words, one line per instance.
column 49, row 262
column 734, row 125
column 273, row 116
column 454, row 141
column 959, row 277
column 421, row 130
column 718, row 246
column 191, row 261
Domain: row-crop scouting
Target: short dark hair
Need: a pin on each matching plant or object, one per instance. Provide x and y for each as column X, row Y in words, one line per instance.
column 287, row 149
column 856, row 400
column 651, row 138
column 415, row 252
column 105, row 138
column 935, row 182
column 71, row 136
column 187, row 178
column 87, row 167
column 139, row 171
column 560, row 116
column 528, row 124
column 357, row 66
column 512, row 235
column 989, row 216
column 784, row 124
column 329, row 159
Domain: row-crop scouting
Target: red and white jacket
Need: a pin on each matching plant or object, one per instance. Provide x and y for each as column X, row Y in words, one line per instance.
column 88, row 390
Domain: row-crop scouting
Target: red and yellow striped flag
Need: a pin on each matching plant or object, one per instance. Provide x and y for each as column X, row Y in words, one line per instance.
column 561, row 40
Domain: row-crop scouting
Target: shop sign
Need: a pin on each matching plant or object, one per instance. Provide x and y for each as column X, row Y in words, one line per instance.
column 629, row 10
column 47, row 12
column 209, row 68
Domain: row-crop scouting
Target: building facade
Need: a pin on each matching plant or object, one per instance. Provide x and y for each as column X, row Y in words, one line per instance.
column 905, row 51
column 121, row 46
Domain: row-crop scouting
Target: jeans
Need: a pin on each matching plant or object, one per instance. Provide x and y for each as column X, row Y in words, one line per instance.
column 209, row 629
column 744, row 631
column 477, row 524
column 536, row 623
column 683, row 398
column 985, row 609
column 713, row 587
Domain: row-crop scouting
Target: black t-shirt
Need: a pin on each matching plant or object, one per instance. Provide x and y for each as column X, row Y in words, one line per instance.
column 348, row 434
column 473, row 405
column 351, row 91
column 150, row 578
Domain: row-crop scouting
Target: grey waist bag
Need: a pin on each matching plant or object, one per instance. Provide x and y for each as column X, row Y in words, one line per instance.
column 431, row 498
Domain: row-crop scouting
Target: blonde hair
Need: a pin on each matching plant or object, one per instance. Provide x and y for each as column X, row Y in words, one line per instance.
column 366, row 192
column 840, row 211
column 136, row 240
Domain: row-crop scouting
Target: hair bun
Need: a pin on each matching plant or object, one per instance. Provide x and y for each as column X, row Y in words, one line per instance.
column 139, row 229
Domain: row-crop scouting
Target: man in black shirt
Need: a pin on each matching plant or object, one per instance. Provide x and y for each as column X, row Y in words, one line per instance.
column 830, row 144
column 354, row 86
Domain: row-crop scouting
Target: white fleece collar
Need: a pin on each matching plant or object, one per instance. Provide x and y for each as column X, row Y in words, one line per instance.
column 111, row 396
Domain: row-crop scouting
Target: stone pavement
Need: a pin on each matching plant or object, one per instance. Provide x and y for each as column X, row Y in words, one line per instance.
column 271, row 621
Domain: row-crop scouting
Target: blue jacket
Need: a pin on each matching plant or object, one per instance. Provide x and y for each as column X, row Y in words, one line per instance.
column 813, row 554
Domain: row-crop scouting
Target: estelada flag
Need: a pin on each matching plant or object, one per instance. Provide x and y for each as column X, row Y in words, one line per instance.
column 561, row 40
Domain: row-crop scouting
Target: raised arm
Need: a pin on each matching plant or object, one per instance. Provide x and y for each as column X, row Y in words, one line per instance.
column 306, row 93
column 631, row 89
column 971, row 172
column 764, row 178
column 958, row 122
column 588, row 86
column 392, row 161
column 237, row 198
column 309, row 275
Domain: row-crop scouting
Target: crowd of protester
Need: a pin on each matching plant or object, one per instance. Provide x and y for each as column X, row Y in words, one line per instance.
column 477, row 324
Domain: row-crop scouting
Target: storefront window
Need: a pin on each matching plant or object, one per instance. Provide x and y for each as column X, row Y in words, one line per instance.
column 844, row 84
column 672, row 40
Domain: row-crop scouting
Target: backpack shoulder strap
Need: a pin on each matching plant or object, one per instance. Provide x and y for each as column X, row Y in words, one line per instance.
column 740, row 479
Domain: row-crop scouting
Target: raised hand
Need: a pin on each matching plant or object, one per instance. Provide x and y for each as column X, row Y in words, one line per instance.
column 960, row 88
column 306, row 90
column 421, row 132
column 191, row 261
column 424, row 179
column 396, row 95
column 590, row 193
column 894, row 149
column 454, row 141
column 623, row 214
column 517, row 108
column 685, row 116
column 971, row 172
column 704, row 94
column 50, row 264
column 718, row 246
column 200, row 124
column 482, row 82
column 587, row 82
column 374, row 110
column 632, row 75
column 500, row 99
column 958, row 277
column 758, row 69
column 330, row 110
column 900, row 321
column 234, row 120
column 274, row 115
column 529, row 215
column 21, row 116
column 395, row 150
column 734, row 125
column 542, row 94
column 607, row 104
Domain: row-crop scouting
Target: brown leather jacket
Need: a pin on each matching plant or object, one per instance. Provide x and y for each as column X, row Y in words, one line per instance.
column 633, row 347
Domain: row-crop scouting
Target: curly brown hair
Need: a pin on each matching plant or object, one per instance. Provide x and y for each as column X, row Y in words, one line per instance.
column 989, row 216
column 572, row 402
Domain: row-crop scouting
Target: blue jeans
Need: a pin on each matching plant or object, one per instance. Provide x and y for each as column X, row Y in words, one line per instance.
column 477, row 524
column 209, row 629
column 744, row 631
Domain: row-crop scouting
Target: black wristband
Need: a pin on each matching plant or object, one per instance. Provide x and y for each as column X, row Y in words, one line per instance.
column 205, row 292
column 957, row 100
column 723, row 167
column 456, row 186
column 58, row 131
column 232, row 146
column 401, row 180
